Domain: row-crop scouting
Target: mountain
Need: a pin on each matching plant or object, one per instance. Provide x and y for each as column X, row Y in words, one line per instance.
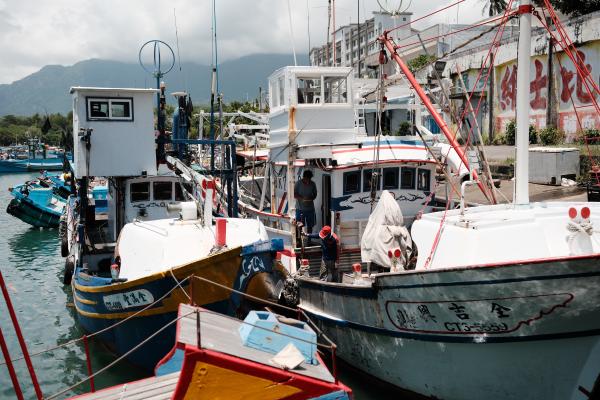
column 47, row 90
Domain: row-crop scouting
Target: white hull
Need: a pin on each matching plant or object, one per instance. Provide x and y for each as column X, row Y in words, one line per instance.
column 540, row 341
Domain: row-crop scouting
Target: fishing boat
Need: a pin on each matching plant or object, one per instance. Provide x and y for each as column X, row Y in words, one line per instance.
column 131, row 266
column 502, row 302
column 33, row 157
column 38, row 206
column 315, row 125
column 266, row 356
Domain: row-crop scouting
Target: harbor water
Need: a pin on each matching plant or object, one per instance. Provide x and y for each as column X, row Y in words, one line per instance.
column 32, row 266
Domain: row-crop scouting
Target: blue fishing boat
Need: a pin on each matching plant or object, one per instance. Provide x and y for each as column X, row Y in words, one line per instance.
column 33, row 157
column 36, row 205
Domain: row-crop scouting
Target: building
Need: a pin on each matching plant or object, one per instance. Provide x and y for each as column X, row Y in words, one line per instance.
column 357, row 43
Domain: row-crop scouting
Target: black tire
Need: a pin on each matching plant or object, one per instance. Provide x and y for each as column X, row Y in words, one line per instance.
column 64, row 246
column 69, row 269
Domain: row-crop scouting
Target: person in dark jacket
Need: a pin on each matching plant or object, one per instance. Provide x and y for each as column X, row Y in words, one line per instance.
column 305, row 192
column 330, row 254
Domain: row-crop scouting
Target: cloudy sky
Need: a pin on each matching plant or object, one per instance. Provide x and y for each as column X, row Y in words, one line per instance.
column 34, row 33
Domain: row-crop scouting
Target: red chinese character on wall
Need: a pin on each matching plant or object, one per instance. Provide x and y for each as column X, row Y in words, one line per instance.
column 583, row 95
column 581, row 92
column 539, row 82
column 567, row 91
column 508, row 88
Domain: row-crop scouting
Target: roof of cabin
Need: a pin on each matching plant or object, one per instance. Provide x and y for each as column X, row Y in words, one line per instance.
column 103, row 89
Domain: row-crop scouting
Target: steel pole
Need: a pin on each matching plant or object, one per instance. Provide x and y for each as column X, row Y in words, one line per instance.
column 522, row 141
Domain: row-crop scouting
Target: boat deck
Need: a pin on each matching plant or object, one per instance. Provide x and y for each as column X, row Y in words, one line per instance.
column 155, row 388
column 221, row 334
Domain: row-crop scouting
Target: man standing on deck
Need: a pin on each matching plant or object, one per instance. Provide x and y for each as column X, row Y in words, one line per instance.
column 305, row 192
column 330, row 254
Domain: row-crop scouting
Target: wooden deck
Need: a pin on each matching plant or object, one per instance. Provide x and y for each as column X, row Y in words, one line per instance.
column 219, row 333
column 155, row 388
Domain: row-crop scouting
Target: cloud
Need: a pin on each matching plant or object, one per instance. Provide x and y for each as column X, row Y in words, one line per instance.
column 35, row 33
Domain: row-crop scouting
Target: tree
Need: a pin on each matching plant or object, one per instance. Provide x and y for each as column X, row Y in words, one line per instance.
column 494, row 7
column 567, row 7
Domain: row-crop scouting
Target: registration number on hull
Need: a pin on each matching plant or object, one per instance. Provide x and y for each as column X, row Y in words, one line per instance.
column 124, row 300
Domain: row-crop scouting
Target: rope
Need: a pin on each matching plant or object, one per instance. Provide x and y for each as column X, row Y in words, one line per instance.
column 438, row 235
column 120, row 358
column 102, row 330
column 246, row 294
column 179, row 284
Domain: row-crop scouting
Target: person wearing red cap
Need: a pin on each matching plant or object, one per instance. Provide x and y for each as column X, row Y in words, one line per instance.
column 330, row 254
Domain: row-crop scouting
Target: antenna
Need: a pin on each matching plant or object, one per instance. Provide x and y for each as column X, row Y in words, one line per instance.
column 394, row 7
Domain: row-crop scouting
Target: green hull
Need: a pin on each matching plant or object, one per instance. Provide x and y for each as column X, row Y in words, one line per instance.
column 32, row 215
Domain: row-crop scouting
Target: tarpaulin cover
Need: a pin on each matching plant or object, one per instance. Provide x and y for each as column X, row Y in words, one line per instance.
column 385, row 231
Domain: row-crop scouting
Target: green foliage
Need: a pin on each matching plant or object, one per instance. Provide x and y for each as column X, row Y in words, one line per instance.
column 499, row 139
column 17, row 129
column 405, row 129
column 420, row 62
column 592, row 136
column 551, row 136
column 573, row 7
column 568, row 7
column 510, row 132
column 533, row 134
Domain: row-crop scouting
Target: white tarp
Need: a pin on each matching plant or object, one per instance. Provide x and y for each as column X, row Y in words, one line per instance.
column 385, row 231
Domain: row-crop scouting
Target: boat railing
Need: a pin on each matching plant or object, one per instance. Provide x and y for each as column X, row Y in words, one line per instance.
column 22, row 344
column 301, row 316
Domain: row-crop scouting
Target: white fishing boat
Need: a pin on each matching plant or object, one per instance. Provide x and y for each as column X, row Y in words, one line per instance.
column 503, row 302
column 316, row 124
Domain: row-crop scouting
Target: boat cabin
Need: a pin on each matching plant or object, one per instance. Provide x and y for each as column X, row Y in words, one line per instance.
column 113, row 132
column 314, row 102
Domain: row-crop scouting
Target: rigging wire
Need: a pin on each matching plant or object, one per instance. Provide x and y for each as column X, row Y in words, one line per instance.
column 183, row 77
column 289, row 7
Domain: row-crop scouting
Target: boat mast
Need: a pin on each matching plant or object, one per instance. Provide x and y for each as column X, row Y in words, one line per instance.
column 521, row 195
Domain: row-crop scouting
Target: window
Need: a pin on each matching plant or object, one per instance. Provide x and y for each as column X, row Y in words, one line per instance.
column 120, row 109
column 179, row 196
column 110, row 109
column 424, row 180
column 162, row 190
column 140, row 191
column 407, row 178
column 98, row 109
column 281, row 86
column 335, row 89
column 351, row 182
column 368, row 178
column 309, row 90
column 390, row 178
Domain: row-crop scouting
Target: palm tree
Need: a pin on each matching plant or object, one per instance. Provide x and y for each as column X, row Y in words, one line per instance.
column 493, row 7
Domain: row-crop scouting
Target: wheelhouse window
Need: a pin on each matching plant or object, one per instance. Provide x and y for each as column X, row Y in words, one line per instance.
column 179, row 194
column 424, row 180
column 118, row 109
column 407, row 178
column 390, row 178
column 162, row 190
column 309, row 90
column 139, row 191
column 335, row 89
column 351, row 182
column 368, row 179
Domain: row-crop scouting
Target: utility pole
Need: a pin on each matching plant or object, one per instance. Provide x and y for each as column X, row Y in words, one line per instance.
column 358, row 28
